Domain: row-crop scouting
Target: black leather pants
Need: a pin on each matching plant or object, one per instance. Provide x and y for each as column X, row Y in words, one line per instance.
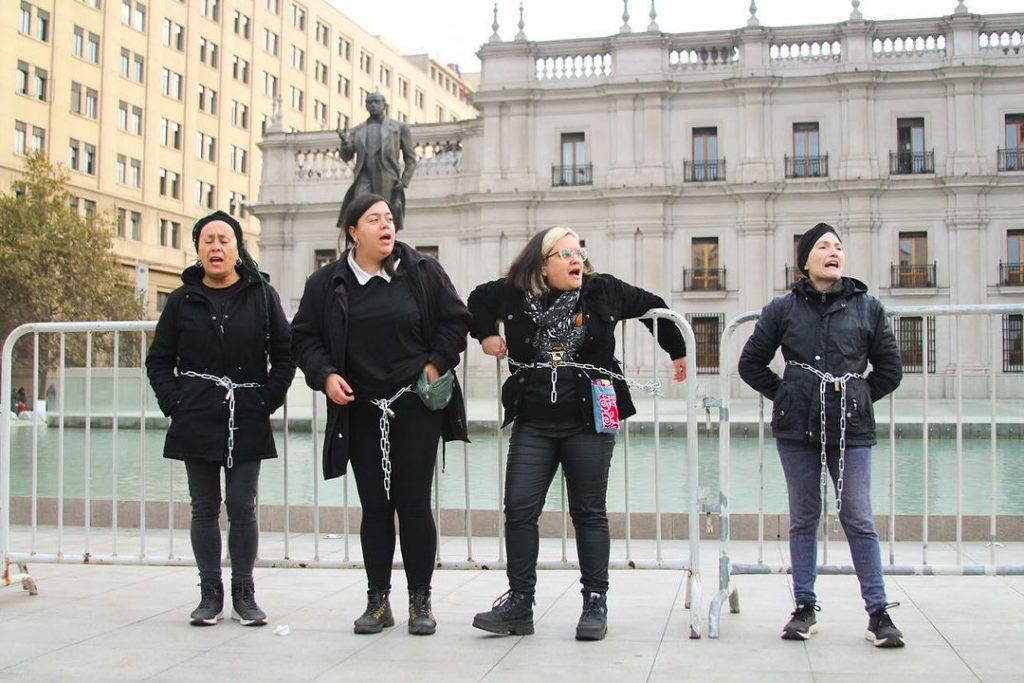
column 536, row 449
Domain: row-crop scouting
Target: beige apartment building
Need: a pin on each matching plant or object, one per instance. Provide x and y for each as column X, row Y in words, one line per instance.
column 156, row 106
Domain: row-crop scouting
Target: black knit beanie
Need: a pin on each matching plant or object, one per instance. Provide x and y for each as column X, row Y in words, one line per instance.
column 807, row 242
column 218, row 216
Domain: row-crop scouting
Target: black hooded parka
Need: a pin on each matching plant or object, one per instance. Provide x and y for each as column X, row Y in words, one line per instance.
column 836, row 332
column 191, row 335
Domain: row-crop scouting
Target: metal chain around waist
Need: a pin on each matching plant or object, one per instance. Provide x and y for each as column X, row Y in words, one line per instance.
column 652, row 387
column 230, row 385
column 385, row 434
column 840, row 384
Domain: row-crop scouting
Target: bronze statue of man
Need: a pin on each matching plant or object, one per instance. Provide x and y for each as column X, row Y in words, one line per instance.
column 377, row 145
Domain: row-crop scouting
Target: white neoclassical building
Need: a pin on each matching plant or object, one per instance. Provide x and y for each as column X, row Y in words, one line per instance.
column 691, row 162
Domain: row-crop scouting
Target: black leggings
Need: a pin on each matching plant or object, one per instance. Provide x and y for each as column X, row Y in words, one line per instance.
column 535, row 451
column 415, row 432
column 240, row 500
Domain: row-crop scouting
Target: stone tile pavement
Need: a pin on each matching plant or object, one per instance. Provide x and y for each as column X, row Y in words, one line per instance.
column 129, row 623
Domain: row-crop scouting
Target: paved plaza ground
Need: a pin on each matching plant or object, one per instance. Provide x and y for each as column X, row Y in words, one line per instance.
column 128, row 623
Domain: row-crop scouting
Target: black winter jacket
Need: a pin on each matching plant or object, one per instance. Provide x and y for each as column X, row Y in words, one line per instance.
column 605, row 301
column 190, row 336
column 320, row 339
column 841, row 332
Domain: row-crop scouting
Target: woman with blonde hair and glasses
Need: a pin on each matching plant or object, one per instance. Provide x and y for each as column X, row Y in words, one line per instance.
column 559, row 320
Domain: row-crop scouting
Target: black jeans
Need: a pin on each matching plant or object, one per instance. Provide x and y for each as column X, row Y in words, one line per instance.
column 415, row 432
column 240, row 499
column 535, row 451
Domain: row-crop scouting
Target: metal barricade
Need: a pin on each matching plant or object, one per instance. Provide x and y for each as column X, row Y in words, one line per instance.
column 727, row 568
column 124, row 537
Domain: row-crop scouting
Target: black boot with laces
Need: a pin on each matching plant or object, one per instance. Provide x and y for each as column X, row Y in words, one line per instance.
column 593, row 624
column 511, row 614
column 243, row 602
column 211, row 603
column 421, row 616
column 377, row 614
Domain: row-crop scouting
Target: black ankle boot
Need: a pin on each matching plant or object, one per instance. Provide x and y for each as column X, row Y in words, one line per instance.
column 377, row 614
column 421, row 617
column 511, row 614
column 211, row 603
column 593, row 623
column 243, row 602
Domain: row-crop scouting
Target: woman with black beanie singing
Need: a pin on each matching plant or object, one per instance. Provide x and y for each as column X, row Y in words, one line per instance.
column 220, row 364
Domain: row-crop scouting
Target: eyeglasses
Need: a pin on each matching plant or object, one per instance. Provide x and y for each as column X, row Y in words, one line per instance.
column 567, row 254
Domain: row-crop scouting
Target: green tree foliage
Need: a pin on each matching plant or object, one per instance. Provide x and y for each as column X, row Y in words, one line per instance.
column 56, row 266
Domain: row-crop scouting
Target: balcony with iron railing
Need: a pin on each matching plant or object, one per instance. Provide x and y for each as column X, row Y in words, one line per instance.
column 909, row 163
column 1011, row 274
column 567, row 176
column 1010, row 159
column 708, row 170
column 704, row 279
column 807, row 167
column 911, row 276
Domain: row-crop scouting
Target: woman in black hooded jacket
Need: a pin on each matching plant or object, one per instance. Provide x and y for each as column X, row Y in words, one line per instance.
column 829, row 330
column 220, row 364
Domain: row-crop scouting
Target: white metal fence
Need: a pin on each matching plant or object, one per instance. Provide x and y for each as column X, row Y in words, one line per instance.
column 147, row 527
column 956, row 321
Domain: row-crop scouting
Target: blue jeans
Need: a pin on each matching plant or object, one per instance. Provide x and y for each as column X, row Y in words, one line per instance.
column 535, row 451
column 801, row 463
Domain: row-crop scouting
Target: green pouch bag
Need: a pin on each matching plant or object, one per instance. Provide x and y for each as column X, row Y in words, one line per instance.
column 437, row 395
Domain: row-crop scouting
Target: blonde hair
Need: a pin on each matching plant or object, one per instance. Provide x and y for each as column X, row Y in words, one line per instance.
column 526, row 271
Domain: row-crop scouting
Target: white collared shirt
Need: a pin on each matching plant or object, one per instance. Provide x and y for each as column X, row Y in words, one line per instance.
column 362, row 277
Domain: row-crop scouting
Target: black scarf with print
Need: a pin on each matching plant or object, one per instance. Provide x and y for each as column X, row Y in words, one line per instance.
column 559, row 327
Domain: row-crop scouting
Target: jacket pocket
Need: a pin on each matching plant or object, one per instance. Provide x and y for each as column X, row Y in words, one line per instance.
column 860, row 413
column 783, row 415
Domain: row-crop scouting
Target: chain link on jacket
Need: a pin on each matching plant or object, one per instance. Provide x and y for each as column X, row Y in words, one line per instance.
column 652, row 387
column 230, row 385
column 385, row 434
column 840, row 384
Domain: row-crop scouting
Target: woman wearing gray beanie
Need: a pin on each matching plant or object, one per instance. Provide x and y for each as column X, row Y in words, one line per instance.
column 829, row 330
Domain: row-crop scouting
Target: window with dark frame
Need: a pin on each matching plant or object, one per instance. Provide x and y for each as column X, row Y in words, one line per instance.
column 913, row 269
column 321, row 257
column 1011, row 158
column 704, row 273
column 705, row 164
column 793, row 272
column 707, row 332
column 574, row 169
column 1013, row 343
column 911, row 156
column 807, row 161
column 1012, row 272
column 910, row 337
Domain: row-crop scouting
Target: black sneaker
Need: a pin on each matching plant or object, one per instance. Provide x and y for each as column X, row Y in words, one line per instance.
column 421, row 616
column 377, row 614
column 243, row 603
column 881, row 631
column 211, row 603
column 511, row 614
column 802, row 623
column 593, row 623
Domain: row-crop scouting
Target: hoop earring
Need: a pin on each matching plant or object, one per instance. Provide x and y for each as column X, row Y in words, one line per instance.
column 199, row 264
column 238, row 261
